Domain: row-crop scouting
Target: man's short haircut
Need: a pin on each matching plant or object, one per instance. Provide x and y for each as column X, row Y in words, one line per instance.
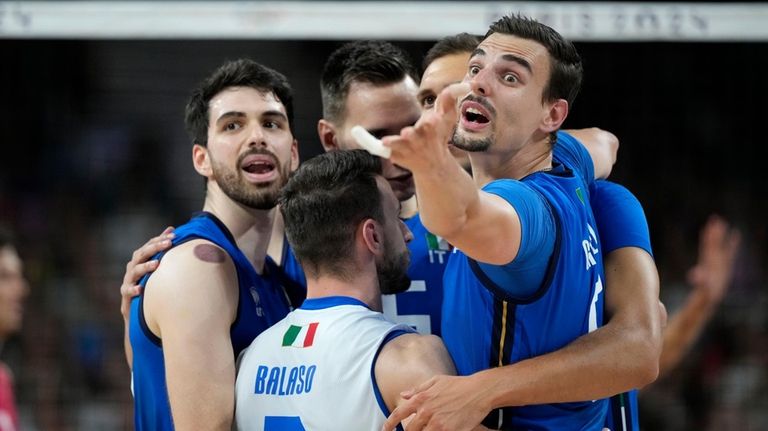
column 323, row 204
column 449, row 45
column 566, row 72
column 237, row 73
column 367, row 61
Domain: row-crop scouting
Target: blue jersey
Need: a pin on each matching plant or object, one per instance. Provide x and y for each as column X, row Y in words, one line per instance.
column 488, row 323
column 621, row 222
column 421, row 304
column 261, row 303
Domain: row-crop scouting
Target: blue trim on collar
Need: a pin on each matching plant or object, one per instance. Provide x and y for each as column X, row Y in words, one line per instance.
column 330, row 301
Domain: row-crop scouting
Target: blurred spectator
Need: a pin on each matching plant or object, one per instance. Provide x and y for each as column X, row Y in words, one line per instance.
column 13, row 291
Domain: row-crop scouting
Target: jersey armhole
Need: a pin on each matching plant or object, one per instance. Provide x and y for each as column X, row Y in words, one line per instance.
column 144, row 280
column 379, row 399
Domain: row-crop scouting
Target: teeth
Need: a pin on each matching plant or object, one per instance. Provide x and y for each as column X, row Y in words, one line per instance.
column 473, row 111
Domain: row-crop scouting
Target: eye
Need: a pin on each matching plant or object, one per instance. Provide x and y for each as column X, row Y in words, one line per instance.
column 509, row 77
column 271, row 125
column 232, row 126
column 474, row 70
column 428, row 102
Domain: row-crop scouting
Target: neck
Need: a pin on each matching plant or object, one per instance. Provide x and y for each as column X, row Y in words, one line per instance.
column 359, row 287
column 250, row 227
column 516, row 164
column 277, row 238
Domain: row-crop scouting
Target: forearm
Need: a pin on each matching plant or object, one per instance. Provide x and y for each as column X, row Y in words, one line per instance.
column 683, row 328
column 597, row 365
column 446, row 195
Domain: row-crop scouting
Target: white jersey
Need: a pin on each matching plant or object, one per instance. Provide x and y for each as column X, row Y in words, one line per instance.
column 313, row 370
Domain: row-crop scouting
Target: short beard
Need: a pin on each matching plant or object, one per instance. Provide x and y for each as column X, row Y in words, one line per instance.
column 263, row 198
column 393, row 274
column 259, row 196
column 471, row 145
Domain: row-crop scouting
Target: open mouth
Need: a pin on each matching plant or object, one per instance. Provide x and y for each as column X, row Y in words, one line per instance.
column 259, row 167
column 473, row 115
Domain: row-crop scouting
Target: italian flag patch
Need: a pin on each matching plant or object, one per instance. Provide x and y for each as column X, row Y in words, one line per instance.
column 300, row 336
column 435, row 242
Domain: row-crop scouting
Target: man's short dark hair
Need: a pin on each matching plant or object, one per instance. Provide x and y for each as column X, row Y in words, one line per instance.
column 456, row 44
column 322, row 205
column 368, row 61
column 237, row 73
column 566, row 72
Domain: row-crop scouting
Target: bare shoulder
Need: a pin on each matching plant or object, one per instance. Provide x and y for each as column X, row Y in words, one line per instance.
column 192, row 279
column 193, row 263
column 408, row 361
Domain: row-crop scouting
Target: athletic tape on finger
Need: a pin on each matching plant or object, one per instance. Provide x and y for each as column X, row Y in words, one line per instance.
column 370, row 143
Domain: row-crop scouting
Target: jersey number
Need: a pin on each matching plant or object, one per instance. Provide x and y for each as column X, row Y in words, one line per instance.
column 420, row 322
column 283, row 423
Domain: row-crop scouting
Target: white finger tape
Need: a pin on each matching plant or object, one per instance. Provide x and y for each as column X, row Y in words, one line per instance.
column 370, row 143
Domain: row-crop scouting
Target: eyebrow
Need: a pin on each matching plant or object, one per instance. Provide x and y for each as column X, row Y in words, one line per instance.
column 274, row 113
column 508, row 57
column 228, row 115
column 238, row 114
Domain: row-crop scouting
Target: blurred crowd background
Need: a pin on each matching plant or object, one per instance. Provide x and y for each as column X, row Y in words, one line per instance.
column 95, row 161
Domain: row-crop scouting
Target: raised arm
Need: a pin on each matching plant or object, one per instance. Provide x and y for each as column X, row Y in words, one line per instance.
column 190, row 303
column 621, row 355
column 709, row 278
column 482, row 225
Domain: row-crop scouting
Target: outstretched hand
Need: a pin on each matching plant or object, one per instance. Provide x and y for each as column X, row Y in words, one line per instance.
column 418, row 147
column 139, row 265
column 718, row 245
column 441, row 403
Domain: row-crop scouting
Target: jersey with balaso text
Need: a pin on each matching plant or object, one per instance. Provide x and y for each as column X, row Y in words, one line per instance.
column 314, row 370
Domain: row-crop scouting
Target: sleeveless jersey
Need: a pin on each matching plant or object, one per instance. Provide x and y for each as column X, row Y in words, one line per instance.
column 261, row 303
column 314, row 370
column 484, row 326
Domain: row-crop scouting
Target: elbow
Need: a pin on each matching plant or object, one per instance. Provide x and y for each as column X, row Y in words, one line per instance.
column 612, row 141
column 647, row 352
column 610, row 150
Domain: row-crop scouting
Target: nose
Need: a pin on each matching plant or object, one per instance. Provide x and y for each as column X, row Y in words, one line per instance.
column 256, row 137
column 407, row 234
column 479, row 83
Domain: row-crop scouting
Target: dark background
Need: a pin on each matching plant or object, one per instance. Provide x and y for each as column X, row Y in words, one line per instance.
column 95, row 160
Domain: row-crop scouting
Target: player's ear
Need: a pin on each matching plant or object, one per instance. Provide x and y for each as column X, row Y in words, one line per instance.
column 372, row 236
column 294, row 155
column 554, row 115
column 327, row 133
column 201, row 160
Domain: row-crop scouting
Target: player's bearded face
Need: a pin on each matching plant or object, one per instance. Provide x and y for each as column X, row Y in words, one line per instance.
column 393, row 271
column 263, row 195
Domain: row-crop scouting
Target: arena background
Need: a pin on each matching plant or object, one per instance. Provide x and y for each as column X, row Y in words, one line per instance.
column 95, row 160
